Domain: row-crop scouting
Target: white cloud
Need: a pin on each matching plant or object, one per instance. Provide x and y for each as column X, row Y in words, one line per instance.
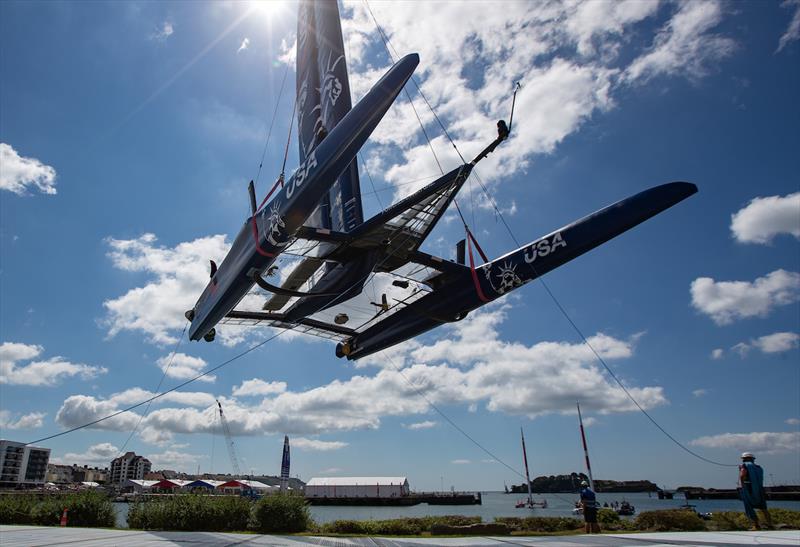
column 793, row 421
column 461, row 462
column 178, row 277
column 175, row 460
column 685, row 46
column 427, row 424
column 763, row 442
column 245, row 44
column 39, row 373
column 468, row 72
column 316, row 445
column 183, row 367
column 718, row 354
column 163, row 32
column 331, row 471
column 19, row 174
column 764, row 218
column 96, row 455
column 32, row 420
column 508, row 377
column 793, row 31
column 257, row 386
column 726, row 301
column 778, row 342
column 700, row 392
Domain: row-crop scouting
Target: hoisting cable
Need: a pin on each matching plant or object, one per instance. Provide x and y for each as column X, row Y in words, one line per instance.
column 279, row 181
column 387, row 44
column 158, row 387
column 159, row 395
column 274, row 115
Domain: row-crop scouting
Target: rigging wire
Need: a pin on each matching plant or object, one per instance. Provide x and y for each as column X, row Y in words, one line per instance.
column 272, row 123
column 158, row 387
column 159, row 395
column 550, row 293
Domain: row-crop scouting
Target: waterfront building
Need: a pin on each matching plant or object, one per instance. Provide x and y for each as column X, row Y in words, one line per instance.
column 137, row 485
column 169, row 485
column 22, row 465
column 128, row 466
column 71, row 474
column 357, row 487
column 240, row 486
column 203, row 486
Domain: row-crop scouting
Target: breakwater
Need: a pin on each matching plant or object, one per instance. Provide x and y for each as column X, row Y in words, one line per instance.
column 774, row 493
column 415, row 498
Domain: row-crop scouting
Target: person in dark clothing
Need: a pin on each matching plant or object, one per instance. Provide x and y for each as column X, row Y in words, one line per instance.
column 589, row 503
column 751, row 480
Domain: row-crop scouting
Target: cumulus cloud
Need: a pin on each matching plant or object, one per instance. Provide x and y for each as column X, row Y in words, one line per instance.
column 174, row 459
column 567, row 55
column 20, row 175
column 685, row 45
column 178, row 276
column 96, row 455
column 508, row 377
column 793, row 31
column 759, row 442
column 182, row 367
column 427, row 424
column 316, row 445
column 47, row 372
column 727, row 301
column 699, row 392
column 764, row 218
column 793, row 421
column 257, row 386
column 778, row 342
column 718, row 354
column 32, row 420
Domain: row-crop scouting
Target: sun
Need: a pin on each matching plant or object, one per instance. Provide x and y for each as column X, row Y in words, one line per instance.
column 268, row 9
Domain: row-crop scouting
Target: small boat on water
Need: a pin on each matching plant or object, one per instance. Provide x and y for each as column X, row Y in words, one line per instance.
column 626, row 509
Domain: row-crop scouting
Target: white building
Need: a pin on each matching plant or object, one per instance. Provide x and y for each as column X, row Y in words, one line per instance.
column 137, row 485
column 128, row 466
column 20, row 464
column 357, row 487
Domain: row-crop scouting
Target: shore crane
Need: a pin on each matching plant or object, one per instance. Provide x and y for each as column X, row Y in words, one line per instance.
column 229, row 441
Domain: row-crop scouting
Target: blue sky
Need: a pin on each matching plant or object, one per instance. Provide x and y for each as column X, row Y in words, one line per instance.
column 129, row 132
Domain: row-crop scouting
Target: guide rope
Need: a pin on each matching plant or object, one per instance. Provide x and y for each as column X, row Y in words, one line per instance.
column 271, row 124
column 158, row 387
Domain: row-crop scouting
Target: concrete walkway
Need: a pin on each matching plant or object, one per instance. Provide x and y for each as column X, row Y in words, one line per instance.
column 30, row 536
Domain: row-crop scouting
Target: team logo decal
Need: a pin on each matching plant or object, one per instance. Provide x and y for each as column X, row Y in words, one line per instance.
column 506, row 277
column 276, row 225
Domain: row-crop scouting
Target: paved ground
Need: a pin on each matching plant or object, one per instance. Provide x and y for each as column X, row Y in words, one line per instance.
column 36, row 535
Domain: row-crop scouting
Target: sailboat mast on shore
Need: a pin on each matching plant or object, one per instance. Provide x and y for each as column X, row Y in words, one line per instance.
column 585, row 449
column 527, row 474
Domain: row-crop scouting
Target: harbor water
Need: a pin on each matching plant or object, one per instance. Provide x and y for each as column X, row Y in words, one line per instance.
column 498, row 504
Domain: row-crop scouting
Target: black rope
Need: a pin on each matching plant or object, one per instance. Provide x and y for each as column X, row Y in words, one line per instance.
column 159, row 395
column 269, row 132
column 158, row 387
column 589, row 345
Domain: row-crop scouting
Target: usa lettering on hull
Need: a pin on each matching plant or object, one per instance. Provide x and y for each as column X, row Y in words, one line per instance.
column 544, row 247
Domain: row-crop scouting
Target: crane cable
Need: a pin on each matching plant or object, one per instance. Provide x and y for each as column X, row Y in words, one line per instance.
column 550, row 293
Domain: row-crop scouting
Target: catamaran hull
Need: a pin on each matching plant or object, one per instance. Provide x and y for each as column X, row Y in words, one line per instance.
column 472, row 289
column 264, row 235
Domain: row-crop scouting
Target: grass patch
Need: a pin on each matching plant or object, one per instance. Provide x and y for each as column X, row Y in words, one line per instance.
column 669, row 520
column 87, row 508
column 540, row 524
column 412, row 526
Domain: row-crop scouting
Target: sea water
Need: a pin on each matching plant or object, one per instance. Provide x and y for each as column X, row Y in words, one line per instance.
column 498, row 504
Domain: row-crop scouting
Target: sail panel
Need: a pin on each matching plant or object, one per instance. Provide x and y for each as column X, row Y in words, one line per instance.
column 323, row 98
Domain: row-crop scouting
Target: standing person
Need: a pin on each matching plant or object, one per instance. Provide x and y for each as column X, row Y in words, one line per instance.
column 751, row 480
column 589, row 503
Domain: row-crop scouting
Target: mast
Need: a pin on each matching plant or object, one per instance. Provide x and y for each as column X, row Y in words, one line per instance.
column 585, row 449
column 285, row 464
column 527, row 475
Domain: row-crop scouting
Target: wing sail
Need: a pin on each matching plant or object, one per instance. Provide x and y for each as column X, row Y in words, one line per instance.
column 323, row 98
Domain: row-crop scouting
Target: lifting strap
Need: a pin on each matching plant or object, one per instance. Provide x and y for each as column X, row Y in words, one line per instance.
column 470, row 240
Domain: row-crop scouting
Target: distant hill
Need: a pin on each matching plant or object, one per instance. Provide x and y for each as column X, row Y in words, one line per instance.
column 572, row 482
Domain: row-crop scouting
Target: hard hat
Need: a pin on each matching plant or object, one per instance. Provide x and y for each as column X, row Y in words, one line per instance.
column 584, row 483
column 748, row 455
